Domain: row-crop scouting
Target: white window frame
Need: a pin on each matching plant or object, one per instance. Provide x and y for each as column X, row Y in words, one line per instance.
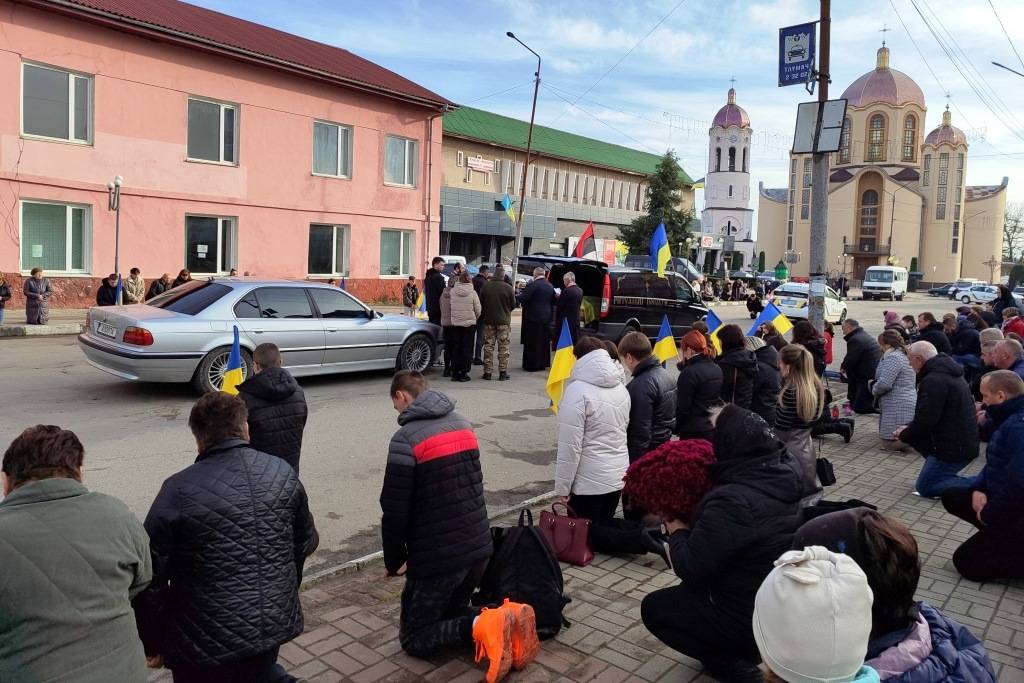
column 404, row 268
column 467, row 177
column 86, row 268
column 341, row 163
column 220, row 147
column 341, row 231
column 232, row 257
column 460, row 159
column 405, row 165
column 72, row 75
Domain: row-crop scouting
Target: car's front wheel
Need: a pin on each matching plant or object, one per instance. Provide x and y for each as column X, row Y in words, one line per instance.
column 416, row 353
column 209, row 376
column 965, row 299
column 842, row 316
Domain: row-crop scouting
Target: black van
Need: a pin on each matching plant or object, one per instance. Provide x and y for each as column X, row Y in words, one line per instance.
column 618, row 300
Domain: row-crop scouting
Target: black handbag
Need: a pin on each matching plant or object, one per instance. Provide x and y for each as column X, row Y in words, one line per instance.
column 826, row 473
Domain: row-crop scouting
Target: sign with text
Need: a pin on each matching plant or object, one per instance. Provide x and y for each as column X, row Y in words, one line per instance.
column 796, row 54
column 819, row 126
column 480, row 164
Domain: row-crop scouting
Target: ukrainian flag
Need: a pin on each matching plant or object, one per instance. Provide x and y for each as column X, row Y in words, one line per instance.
column 665, row 348
column 714, row 325
column 421, row 306
column 118, row 296
column 506, row 203
column 660, row 254
column 771, row 314
column 233, row 373
column 561, row 367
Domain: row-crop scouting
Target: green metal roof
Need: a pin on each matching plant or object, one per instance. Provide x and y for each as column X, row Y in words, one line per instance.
column 476, row 124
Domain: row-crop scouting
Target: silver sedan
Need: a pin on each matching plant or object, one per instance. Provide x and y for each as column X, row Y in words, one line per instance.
column 185, row 334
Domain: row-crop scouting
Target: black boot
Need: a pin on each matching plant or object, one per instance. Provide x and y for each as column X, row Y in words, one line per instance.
column 447, row 371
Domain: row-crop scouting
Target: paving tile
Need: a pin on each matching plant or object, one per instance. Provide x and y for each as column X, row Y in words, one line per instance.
column 327, row 644
column 319, row 633
column 342, row 662
column 377, row 672
column 294, row 654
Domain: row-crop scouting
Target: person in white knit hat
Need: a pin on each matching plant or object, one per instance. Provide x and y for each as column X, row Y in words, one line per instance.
column 812, row 619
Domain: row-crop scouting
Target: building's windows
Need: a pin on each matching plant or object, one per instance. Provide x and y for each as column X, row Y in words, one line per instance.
column 487, row 179
column 604, row 192
column 497, row 170
column 876, row 139
column 805, row 204
column 868, row 220
column 808, row 173
column 960, row 162
column 730, row 190
column 56, row 237
column 212, row 131
column 940, row 203
column 517, row 178
column 789, row 235
column 586, row 189
column 641, row 197
column 332, row 149
column 718, row 158
column 546, row 188
column 328, row 249
column 744, row 159
column 210, row 244
column 467, row 175
column 943, row 169
column 909, row 138
column 56, row 104
column 396, row 249
column 401, row 160
column 575, row 187
column 732, row 158
column 622, row 191
column 792, row 166
column 460, row 159
column 531, row 181
column 927, row 174
column 959, row 170
column 955, row 243
column 844, row 143
column 792, row 205
column 629, row 196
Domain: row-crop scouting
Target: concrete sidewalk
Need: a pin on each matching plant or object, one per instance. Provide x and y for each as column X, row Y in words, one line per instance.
column 352, row 619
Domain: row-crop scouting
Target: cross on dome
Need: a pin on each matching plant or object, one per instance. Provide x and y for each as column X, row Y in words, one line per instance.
column 885, row 29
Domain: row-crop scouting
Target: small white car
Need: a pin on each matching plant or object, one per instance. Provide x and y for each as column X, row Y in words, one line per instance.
column 978, row 294
column 791, row 300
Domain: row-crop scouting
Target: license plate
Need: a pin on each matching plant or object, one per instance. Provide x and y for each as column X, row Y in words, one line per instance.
column 106, row 330
column 789, row 302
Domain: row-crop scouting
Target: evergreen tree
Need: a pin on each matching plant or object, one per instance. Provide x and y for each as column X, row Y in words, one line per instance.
column 664, row 188
column 760, row 262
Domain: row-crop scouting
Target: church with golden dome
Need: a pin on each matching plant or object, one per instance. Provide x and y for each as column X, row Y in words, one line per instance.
column 895, row 193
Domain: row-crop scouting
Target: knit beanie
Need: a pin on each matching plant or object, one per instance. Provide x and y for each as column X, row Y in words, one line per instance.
column 753, row 343
column 812, row 617
column 891, row 317
column 739, row 431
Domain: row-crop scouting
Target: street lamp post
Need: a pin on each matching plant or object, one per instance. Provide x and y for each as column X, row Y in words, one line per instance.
column 526, row 163
column 114, row 204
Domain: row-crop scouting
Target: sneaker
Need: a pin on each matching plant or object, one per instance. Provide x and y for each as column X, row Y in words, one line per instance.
column 492, row 633
column 525, row 644
column 447, row 372
column 486, row 376
column 504, row 377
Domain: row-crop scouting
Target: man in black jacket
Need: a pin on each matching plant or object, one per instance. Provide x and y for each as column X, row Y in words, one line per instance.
column 479, row 280
column 944, row 429
column 739, row 367
column 106, row 295
column 652, row 397
column 570, row 300
column 277, row 407
column 930, row 330
column 538, row 302
column 229, row 536
column 158, row 287
column 740, row 528
column 433, row 287
column 434, row 526
column 859, row 365
column 768, row 385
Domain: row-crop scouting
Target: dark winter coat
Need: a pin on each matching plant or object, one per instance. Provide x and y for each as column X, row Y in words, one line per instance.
column 776, row 340
column 902, row 331
column 497, row 300
column 767, row 385
column 967, row 340
column 433, row 287
column 652, row 408
column 1004, row 301
column 106, row 295
column 229, row 535
column 862, row 356
column 479, row 280
column 5, row 295
column 156, row 288
column 945, row 423
column 698, row 390
column 740, row 528
column 1002, row 478
column 956, row 654
column 937, row 337
column 277, row 413
column 179, row 281
column 434, row 516
column 37, row 300
column 739, row 373
column 410, row 295
column 568, row 308
column 990, row 318
column 817, row 349
column 538, row 301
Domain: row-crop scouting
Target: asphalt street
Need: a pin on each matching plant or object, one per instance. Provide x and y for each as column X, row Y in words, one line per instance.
column 136, row 435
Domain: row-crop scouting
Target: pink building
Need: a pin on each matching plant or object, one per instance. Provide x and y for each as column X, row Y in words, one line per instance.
column 240, row 147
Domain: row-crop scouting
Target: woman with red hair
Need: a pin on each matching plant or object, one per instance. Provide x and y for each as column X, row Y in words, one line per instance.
column 698, row 388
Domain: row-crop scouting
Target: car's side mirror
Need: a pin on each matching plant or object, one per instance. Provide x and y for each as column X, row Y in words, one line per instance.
column 370, row 313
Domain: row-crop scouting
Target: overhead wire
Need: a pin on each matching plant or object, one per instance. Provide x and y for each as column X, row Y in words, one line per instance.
column 1006, row 33
column 597, row 118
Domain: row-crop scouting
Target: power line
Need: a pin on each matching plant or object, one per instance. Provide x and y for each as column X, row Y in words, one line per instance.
column 500, row 92
column 597, row 118
column 1005, row 33
column 623, row 57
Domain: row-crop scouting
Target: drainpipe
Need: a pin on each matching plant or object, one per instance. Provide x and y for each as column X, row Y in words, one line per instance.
column 430, row 182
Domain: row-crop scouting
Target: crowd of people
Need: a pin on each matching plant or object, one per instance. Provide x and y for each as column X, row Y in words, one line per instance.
column 715, row 471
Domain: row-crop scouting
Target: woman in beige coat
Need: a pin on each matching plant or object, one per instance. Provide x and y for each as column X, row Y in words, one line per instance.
column 465, row 311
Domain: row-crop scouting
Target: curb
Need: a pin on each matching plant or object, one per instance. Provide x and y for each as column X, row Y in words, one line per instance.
column 373, row 559
column 41, row 330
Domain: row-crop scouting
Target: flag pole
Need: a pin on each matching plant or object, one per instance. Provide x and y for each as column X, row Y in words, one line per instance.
column 526, row 164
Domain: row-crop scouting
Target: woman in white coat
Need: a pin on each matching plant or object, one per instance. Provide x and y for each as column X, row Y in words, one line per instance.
column 592, row 455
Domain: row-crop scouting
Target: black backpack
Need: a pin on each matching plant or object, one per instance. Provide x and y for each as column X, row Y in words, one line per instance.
column 524, row 569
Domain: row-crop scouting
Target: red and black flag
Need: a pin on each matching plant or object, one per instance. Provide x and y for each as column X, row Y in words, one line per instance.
column 587, row 244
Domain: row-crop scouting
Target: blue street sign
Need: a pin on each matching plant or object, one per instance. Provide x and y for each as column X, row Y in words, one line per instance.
column 796, row 54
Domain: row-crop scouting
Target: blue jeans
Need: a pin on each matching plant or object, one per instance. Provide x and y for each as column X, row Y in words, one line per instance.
column 938, row 475
column 1, row 316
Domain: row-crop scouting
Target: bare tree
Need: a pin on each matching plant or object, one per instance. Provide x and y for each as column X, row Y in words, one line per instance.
column 1013, row 231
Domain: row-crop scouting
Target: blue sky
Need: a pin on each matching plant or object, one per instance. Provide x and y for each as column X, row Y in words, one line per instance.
column 670, row 86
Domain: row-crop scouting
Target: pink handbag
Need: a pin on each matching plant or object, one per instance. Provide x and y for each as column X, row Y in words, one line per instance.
column 568, row 535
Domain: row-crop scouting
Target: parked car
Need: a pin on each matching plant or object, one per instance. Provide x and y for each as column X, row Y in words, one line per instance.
column 791, row 299
column 619, row 300
column 961, row 284
column 884, row 282
column 979, row 294
column 185, row 334
column 940, row 291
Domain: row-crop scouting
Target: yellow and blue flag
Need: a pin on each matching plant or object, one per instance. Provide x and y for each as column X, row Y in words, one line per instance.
column 714, row 325
column 233, row 372
column 771, row 314
column 507, row 204
column 665, row 347
column 421, row 306
column 119, row 294
column 660, row 253
column 561, row 367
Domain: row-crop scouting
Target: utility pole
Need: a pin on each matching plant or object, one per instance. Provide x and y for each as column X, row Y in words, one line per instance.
column 526, row 164
column 819, row 184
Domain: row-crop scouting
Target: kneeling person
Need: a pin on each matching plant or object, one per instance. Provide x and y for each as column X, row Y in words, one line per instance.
column 435, row 531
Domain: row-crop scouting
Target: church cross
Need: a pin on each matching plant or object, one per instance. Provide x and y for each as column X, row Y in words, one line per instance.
column 885, row 29
column 732, row 82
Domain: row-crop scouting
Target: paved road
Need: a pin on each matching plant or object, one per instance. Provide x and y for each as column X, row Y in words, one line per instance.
column 136, row 435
